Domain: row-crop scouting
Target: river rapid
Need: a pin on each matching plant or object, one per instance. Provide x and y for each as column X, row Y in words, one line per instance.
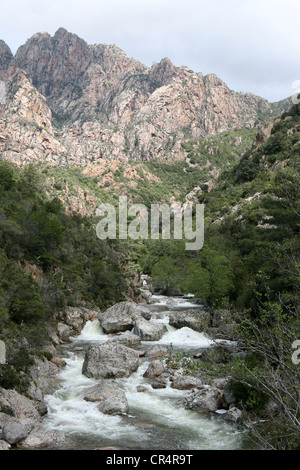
column 154, row 420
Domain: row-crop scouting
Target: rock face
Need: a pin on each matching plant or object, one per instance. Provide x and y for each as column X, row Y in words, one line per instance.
column 76, row 318
column 106, row 105
column 43, row 375
column 110, row 360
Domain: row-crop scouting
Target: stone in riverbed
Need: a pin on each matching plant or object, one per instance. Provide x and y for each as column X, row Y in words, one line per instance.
column 149, row 331
column 160, row 381
column 194, row 318
column 110, row 360
column 121, row 316
column 206, row 399
column 186, row 382
column 14, row 432
column 154, row 369
column 127, row 339
column 234, row 414
column 40, row 438
column 112, row 400
column 114, row 405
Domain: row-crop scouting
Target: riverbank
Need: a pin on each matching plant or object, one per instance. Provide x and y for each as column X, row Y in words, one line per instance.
column 155, row 404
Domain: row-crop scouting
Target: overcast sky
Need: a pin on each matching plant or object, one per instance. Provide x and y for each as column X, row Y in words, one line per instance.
column 253, row 45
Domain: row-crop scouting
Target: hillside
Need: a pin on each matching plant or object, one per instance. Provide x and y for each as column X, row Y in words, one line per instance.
column 250, row 213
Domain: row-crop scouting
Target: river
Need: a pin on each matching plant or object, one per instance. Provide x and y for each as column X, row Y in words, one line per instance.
column 154, row 420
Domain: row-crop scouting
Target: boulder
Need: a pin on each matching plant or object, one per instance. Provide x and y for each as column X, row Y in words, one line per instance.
column 63, row 332
column 154, row 369
column 18, row 405
column 14, row 432
column 112, row 399
column 5, row 418
column 110, row 360
column 157, row 351
column 186, row 382
column 40, row 438
column 194, row 318
column 205, row 399
column 127, row 339
column 148, row 330
column 119, row 317
column 145, row 297
column 142, row 311
column 234, row 414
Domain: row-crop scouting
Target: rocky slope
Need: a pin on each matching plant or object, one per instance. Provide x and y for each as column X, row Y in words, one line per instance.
column 72, row 103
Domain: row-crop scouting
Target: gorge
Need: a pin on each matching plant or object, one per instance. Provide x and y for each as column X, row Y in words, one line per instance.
column 82, row 125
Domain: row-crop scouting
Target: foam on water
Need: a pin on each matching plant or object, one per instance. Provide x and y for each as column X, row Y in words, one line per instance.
column 153, row 413
column 92, row 331
column 172, row 302
column 197, row 431
column 68, row 411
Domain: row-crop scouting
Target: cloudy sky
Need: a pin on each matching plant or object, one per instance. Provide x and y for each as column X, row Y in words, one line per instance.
column 253, row 45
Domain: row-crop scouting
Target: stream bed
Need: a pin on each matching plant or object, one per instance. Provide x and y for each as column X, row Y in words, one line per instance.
column 154, row 421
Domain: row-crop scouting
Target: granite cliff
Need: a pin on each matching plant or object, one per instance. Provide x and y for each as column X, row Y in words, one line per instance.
column 71, row 103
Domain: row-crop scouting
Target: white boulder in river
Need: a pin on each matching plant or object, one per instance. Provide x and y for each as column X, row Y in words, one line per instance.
column 110, row 360
column 149, row 331
column 121, row 316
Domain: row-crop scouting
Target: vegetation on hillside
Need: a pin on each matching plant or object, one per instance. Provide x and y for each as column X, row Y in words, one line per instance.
column 48, row 260
column 250, row 265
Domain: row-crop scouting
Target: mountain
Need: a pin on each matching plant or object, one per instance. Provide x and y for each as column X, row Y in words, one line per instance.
column 75, row 104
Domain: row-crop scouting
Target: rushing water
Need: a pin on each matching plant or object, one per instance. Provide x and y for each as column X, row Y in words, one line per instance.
column 154, row 421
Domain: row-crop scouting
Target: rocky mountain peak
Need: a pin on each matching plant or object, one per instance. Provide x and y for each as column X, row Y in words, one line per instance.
column 163, row 71
column 53, row 62
column 6, row 60
column 99, row 103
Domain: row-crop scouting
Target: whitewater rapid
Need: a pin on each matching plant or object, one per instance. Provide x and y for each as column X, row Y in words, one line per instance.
column 154, row 421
